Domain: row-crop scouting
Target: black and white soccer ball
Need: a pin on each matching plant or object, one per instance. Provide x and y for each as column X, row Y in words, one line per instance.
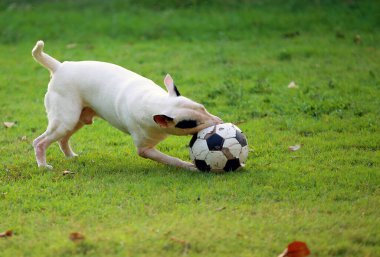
column 218, row 148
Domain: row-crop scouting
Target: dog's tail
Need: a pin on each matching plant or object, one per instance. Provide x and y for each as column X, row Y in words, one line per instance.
column 44, row 59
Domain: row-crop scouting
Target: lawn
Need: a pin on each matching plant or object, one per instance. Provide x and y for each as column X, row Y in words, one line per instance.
column 237, row 60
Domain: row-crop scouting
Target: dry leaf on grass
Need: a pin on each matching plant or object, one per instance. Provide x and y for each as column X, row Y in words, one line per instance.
column 76, row 237
column 292, row 85
column 9, row 124
column 296, row 249
column 180, row 241
column 7, row 233
column 221, row 208
column 67, row 172
column 186, row 245
column 294, row 148
column 357, row 39
column 71, row 46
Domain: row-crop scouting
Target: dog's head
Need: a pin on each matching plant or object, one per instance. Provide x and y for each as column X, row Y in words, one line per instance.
column 183, row 116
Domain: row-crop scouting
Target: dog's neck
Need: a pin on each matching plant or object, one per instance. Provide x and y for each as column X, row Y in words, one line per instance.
column 153, row 103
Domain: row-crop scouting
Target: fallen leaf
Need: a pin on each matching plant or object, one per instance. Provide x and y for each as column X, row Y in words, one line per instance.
column 67, row 172
column 221, row 208
column 294, row 148
column 186, row 245
column 71, row 46
column 296, row 249
column 292, row 85
column 179, row 240
column 9, row 124
column 357, row 39
column 23, row 138
column 7, row 233
column 76, row 237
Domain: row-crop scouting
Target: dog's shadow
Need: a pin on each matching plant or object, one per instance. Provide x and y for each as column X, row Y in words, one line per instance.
column 132, row 166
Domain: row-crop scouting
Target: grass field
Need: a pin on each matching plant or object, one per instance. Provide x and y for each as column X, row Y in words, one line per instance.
column 236, row 59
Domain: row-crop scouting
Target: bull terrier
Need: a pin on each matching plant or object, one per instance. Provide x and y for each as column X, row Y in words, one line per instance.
column 79, row 91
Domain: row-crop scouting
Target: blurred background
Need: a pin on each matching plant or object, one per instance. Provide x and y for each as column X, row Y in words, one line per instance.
column 92, row 20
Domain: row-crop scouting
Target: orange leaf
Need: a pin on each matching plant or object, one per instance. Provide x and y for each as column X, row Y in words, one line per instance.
column 296, row 249
column 180, row 241
column 7, row 233
column 76, row 237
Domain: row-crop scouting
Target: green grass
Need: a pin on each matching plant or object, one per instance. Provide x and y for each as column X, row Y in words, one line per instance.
column 235, row 59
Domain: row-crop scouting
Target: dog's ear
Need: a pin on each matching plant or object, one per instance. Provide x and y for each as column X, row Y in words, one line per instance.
column 169, row 83
column 163, row 120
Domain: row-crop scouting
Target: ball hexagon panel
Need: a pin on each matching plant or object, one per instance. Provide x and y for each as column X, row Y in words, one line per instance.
column 202, row 134
column 233, row 147
column 215, row 142
column 226, row 130
column 216, row 160
column 202, row 165
column 200, row 149
column 232, row 164
column 244, row 154
column 241, row 138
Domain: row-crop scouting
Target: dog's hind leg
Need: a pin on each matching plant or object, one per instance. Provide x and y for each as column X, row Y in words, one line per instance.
column 63, row 119
column 86, row 118
column 53, row 133
column 64, row 144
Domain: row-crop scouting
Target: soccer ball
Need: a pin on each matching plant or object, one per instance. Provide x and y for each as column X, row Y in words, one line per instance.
column 218, row 148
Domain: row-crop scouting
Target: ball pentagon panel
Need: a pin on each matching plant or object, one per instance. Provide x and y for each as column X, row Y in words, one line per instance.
column 226, row 130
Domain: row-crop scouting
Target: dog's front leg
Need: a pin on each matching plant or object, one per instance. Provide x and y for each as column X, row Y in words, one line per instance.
column 154, row 154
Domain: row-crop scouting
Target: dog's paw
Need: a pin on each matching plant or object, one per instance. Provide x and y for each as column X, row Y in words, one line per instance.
column 72, row 155
column 190, row 166
column 45, row 167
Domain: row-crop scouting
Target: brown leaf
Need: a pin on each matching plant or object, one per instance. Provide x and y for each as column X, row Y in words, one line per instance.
column 76, row 237
column 294, row 148
column 178, row 240
column 9, row 124
column 296, row 249
column 221, row 208
column 7, row 233
column 186, row 245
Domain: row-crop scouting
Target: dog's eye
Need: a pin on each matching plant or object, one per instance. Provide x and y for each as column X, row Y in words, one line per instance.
column 186, row 124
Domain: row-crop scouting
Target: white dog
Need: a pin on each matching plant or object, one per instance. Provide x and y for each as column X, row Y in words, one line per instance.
column 78, row 91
